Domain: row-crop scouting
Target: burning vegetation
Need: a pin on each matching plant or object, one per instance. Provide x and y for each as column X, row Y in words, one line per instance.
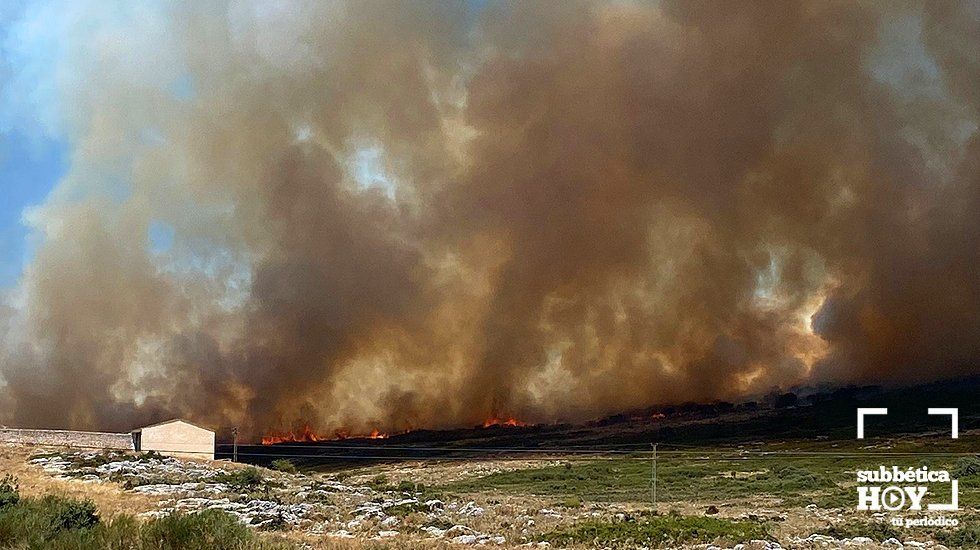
column 308, row 435
column 510, row 422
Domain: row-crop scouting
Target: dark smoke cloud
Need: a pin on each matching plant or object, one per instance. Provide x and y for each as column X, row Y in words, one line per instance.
column 397, row 215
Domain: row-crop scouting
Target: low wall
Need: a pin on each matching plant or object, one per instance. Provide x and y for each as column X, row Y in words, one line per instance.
column 67, row 438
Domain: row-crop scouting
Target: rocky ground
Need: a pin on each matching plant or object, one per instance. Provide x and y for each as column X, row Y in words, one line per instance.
column 382, row 504
column 315, row 505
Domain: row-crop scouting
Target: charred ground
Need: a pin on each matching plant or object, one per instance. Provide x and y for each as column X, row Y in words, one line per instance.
column 805, row 415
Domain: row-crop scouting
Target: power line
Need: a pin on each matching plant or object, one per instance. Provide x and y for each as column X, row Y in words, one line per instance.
column 578, row 451
column 553, row 454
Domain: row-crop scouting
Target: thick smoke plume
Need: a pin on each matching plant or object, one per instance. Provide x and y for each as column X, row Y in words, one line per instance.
column 405, row 214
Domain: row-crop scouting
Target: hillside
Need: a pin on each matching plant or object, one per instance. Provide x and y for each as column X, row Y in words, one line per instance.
column 795, row 494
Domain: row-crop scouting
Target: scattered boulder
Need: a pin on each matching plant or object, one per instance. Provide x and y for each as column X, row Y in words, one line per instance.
column 471, row 509
column 390, row 521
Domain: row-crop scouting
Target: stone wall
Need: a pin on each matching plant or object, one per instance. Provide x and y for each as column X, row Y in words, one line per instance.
column 67, row 438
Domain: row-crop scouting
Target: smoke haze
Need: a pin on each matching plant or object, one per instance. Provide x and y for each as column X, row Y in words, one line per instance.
column 405, row 214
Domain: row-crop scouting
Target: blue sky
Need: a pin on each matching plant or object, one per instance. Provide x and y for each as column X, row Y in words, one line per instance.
column 29, row 168
column 32, row 157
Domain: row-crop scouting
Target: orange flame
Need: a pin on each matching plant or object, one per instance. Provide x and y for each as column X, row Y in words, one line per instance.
column 510, row 422
column 307, row 435
column 345, row 434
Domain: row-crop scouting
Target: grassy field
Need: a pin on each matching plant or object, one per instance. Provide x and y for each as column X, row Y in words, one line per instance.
column 787, row 475
column 657, row 531
column 798, row 473
column 720, row 494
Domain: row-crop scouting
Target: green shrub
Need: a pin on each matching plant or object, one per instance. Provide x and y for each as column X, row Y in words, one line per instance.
column 669, row 530
column 967, row 536
column 148, row 456
column 379, row 482
column 206, row 530
column 277, row 523
column 283, row 465
column 406, row 486
column 93, row 461
column 121, row 533
column 246, row 478
column 131, row 482
column 36, row 521
column 967, row 466
column 878, row 530
column 795, row 478
column 68, row 513
column 8, row 491
column 55, row 523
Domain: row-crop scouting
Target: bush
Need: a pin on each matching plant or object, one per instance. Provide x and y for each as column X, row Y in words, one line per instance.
column 796, row 478
column 149, row 456
column 246, row 478
column 36, row 521
column 967, row 466
column 379, row 482
column 94, row 460
column 206, row 530
column 68, row 513
column 406, row 486
column 283, row 465
column 670, row 530
column 277, row 523
column 878, row 530
column 121, row 533
column 55, row 523
column 965, row 537
column 130, row 482
column 8, row 491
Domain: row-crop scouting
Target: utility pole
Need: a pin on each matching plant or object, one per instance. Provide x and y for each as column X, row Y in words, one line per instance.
column 234, row 445
column 653, row 478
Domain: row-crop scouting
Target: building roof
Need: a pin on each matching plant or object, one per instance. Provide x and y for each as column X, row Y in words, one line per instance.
column 171, row 421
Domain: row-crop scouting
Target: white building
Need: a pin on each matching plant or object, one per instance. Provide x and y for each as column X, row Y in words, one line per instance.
column 175, row 438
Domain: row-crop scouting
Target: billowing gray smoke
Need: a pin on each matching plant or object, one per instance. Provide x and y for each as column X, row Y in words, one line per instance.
column 403, row 214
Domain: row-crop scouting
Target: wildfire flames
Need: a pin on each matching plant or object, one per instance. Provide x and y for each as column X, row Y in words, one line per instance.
column 307, row 435
column 345, row 434
column 510, row 422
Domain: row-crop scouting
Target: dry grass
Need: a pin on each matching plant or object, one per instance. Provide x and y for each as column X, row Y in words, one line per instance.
column 449, row 471
column 314, row 542
column 507, row 512
column 110, row 498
